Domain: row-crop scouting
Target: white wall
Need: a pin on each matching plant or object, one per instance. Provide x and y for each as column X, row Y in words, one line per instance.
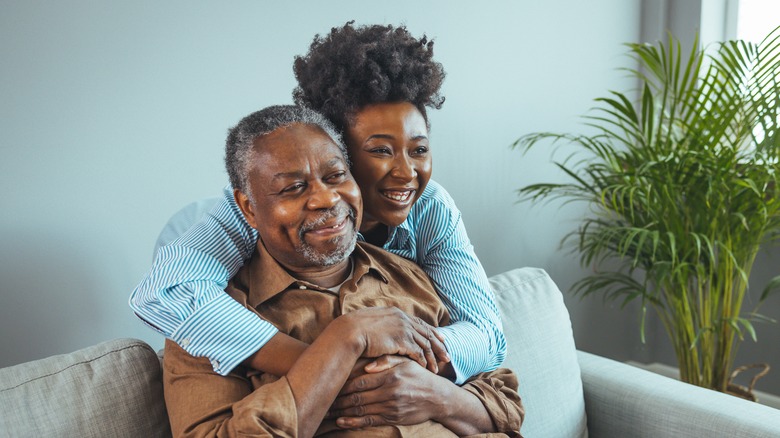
column 113, row 116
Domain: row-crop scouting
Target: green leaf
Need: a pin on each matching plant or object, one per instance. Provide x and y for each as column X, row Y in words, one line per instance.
column 772, row 287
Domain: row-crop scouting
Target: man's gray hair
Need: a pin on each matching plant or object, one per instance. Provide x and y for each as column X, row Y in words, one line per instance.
column 240, row 139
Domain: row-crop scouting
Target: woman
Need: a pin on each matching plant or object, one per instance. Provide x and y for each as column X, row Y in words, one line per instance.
column 374, row 83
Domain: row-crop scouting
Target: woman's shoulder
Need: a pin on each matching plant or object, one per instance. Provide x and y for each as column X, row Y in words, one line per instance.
column 434, row 207
column 436, row 195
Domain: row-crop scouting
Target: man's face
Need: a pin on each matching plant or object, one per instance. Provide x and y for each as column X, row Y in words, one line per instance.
column 303, row 200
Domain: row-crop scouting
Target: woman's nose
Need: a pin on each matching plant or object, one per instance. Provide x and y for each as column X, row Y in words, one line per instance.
column 403, row 169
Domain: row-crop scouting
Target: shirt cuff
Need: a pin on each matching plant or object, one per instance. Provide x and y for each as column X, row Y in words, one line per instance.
column 225, row 332
column 468, row 348
column 268, row 410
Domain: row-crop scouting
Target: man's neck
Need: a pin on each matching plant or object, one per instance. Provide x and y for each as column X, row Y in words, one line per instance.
column 326, row 277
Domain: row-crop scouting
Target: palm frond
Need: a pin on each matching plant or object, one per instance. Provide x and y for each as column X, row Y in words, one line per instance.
column 682, row 188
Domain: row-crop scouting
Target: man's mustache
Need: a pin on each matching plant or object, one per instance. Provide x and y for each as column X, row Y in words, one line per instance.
column 337, row 211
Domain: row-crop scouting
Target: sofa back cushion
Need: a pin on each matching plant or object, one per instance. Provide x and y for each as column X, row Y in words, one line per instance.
column 541, row 352
column 110, row 389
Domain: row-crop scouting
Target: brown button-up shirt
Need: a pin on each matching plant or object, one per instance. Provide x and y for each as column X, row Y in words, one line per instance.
column 203, row 403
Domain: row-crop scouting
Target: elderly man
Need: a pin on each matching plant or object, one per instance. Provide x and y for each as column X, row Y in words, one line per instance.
column 348, row 301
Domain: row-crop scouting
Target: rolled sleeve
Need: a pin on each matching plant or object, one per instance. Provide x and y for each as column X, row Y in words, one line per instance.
column 497, row 391
column 268, row 411
column 202, row 403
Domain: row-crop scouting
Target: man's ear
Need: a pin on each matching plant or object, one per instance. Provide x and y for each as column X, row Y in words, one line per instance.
column 245, row 204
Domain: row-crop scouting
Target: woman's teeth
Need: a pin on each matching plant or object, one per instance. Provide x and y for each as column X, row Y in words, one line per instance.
column 398, row 196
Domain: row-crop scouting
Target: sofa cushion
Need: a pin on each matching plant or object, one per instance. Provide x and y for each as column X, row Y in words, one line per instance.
column 110, row 389
column 541, row 352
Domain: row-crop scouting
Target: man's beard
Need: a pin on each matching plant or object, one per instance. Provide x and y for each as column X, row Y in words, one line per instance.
column 345, row 243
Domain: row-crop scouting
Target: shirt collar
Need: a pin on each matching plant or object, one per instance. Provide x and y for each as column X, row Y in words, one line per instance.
column 267, row 278
column 399, row 235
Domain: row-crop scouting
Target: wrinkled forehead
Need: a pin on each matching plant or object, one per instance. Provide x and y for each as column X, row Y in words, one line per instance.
column 295, row 149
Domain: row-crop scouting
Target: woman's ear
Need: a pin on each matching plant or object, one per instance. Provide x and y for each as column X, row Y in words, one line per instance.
column 245, row 204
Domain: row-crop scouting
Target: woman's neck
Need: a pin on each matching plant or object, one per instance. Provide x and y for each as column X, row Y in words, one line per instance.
column 376, row 234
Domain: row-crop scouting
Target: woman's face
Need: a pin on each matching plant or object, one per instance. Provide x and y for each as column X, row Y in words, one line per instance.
column 391, row 160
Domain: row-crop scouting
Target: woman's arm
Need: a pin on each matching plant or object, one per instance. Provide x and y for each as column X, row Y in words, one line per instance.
column 183, row 298
column 475, row 338
column 183, row 295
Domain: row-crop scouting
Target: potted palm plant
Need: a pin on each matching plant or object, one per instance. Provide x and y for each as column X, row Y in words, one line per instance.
column 682, row 182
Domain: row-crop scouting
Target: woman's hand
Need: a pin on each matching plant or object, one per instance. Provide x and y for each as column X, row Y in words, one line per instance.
column 389, row 331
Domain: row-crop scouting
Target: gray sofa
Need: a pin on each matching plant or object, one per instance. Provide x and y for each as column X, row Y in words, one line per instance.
column 114, row 389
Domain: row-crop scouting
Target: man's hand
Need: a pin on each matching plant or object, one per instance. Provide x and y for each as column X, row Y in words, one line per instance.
column 388, row 330
column 404, row 394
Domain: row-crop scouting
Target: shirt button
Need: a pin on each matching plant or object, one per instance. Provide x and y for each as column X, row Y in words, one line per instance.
column 302, row 287
column 185, row 342
column 215, row 364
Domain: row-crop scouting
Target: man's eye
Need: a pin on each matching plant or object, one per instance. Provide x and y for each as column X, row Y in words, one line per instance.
column 293, row 188
column 337, row 177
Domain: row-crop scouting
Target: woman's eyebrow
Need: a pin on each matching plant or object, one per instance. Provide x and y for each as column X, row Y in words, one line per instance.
column 382, row 136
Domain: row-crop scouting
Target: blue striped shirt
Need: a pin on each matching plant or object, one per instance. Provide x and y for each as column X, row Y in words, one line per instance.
column 183, row 294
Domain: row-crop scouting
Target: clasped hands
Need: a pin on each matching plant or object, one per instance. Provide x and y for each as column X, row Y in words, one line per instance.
column 400, row 388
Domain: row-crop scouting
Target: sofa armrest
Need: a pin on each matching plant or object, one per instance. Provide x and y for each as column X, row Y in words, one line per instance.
column 622, row 401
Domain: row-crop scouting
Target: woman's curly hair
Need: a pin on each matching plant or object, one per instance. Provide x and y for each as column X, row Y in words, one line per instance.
column 356, row 66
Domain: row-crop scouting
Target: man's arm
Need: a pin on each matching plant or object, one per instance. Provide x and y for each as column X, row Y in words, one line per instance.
column 202, row 403
column 407, row 394
column 282, row 351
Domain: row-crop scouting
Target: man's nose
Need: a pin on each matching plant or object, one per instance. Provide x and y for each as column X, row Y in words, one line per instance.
column 403, row 168
column 322, row 196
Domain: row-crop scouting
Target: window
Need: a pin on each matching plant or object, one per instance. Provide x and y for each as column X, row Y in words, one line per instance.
column 756, row 18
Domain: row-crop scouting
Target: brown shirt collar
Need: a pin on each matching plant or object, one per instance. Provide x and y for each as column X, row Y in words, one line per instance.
column 263, row 278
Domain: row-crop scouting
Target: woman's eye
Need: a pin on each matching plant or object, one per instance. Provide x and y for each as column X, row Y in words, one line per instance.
column 380, row 150
column 420, row 150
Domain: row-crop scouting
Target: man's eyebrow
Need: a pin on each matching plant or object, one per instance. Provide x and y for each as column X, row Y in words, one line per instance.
column 287, row 175
column 390, row 137
column 333, row 162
